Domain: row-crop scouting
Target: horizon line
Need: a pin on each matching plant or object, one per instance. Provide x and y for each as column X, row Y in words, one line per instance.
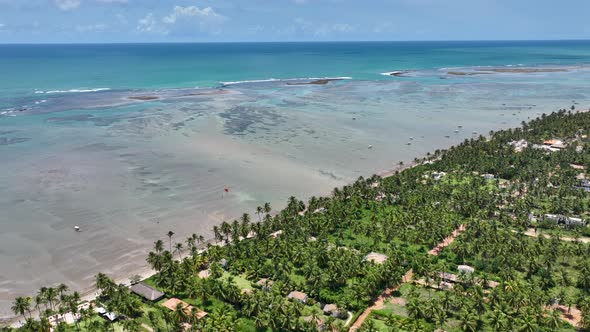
column 294, row 41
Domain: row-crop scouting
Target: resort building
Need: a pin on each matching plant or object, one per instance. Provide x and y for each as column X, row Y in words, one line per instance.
column 299, row 296
column 174, row 303
column 147, row 292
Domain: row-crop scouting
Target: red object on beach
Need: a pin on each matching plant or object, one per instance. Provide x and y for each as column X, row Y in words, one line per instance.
column 226, row 189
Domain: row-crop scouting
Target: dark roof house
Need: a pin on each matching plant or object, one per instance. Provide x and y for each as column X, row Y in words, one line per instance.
column 147, row 292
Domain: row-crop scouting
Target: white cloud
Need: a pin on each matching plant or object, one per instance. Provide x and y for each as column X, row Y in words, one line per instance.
column 122, row 18
column 91, row 27
column 206, row 13
column 2, row 26
column 67, row 4
column 182, row 21
column 149, row 24
column 323, row 30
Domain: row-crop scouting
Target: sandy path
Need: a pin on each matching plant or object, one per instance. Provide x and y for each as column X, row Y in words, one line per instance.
column 531, row 232
column 386, row 295
column 574, row 316
column 446, row 242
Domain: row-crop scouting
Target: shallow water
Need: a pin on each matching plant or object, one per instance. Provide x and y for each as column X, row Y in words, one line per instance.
column 127, row 171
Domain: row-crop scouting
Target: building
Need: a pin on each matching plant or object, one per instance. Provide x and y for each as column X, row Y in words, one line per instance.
column 376, row 258
column 110, row 316
column 563, row 220
column 174, row 303
column 299, row 296
column 584, row 185
column 147, row 292
column 276, row 234
column 465, row 269
column 332, row 310
column 488, row 176
column 519, row 145
column 555, row 143
column 318, row 322
column 438, row 175
column 264, row 283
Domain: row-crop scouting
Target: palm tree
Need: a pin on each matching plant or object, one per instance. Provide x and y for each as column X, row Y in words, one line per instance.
column 62, row 289
column 259, row 211
column 51, row 296
column 40, row 300
column 467, row 321
column 159, row 246
column 170, row 234
column 178, row 249
column 131, row 325
column 153, row 320
column 22, row 305
column 267, row 208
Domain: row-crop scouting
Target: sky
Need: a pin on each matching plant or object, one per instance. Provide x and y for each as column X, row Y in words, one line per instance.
column 119, row 21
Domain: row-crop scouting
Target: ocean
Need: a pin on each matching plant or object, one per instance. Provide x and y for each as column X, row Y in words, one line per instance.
column 129, row 141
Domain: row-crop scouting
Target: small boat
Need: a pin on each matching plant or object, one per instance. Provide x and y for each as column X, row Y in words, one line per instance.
column 474, row 133
column 370, row 146
column 456, row 130
column 354, row 118
column 459, row 126
column 447, row 136
column 411, row 138
column 77, row 228
column 409, row 143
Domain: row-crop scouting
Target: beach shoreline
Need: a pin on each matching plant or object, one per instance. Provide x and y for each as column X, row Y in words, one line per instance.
column 90, row 294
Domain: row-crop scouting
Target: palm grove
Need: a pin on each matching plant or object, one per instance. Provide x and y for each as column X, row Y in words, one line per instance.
column 319, row 248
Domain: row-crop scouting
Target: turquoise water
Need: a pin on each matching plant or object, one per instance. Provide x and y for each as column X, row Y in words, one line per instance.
column 25, row 68
column 77, row 146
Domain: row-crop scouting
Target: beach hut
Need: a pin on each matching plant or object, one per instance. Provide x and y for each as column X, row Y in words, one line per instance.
column 318, row 322
column 264, row 283
column 274, row 235
column 299, row 296
column 147, row 292
column 448, row 277
column 204, row 274
column 331, row 309
column 376, row 258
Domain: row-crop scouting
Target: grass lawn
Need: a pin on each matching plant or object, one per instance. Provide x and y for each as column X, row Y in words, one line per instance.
column 239, row 281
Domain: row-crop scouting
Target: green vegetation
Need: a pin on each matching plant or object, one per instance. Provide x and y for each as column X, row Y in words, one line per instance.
column 521, row 282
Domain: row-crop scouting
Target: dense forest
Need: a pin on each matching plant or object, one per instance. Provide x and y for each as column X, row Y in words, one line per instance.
column 318, row 265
